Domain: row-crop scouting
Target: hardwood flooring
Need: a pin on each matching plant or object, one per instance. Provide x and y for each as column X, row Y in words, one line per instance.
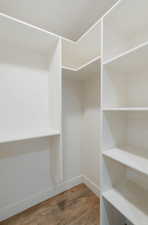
column 77, row 206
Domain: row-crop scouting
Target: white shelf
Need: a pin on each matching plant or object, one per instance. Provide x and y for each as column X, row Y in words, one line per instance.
column 130, row 61
column 125, row 109
column 32, row 135
column 89, row 69
column 125, row 81
column 126, row 53
column 124, row 27
column 128, row 159
column 76, row 54
column 124, row 173
column 26, row 36
column 131, row 202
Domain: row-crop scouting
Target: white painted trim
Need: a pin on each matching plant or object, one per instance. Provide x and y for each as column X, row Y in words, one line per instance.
column 18, row 207
column 91, row 185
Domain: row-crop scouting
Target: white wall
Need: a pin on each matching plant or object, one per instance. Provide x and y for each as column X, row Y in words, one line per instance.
column 81, row 130
column 72, row 125
column 23, row 93
column 90, row 134
column 25, row 174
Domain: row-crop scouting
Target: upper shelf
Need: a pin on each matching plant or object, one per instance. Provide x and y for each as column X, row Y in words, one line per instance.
column 76, row 54
column 125, row 25
column 87, row 70
column 26, row 36
column 132, row 61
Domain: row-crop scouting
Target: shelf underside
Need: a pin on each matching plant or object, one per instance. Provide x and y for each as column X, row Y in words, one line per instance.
column 131, row 201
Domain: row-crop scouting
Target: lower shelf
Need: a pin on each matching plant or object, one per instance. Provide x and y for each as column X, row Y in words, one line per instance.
column 32, row 135
column 128, row 159
column 131, row 201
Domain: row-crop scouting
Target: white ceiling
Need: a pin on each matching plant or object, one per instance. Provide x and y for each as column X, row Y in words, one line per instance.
column 68, row 18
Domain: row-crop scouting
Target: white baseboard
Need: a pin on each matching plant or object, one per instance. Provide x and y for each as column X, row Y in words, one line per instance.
column 91, row 185
column 18, row 207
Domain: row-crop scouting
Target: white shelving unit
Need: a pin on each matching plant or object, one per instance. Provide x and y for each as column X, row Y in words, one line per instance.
column 33, row 63
column 30, row 87
column 124, row 113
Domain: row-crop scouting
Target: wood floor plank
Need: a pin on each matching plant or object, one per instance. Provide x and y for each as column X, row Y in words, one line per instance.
column 77, row 206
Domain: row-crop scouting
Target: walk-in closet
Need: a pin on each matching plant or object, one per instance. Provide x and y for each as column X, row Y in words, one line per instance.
column 73, row 112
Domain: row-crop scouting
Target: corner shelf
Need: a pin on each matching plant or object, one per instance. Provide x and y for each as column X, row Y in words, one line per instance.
column 128, row 159
column 90, row 68
column 77, row 54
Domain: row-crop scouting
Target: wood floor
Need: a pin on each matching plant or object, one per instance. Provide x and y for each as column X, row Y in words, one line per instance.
column 77, row 206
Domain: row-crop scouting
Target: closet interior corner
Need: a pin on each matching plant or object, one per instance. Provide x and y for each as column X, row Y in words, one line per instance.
column 81, row 102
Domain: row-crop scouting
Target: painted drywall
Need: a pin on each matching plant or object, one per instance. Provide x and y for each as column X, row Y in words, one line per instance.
column 90, row 132
column 81, row 129
column 25, row 173
column 23, row 93
column 72, row 125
